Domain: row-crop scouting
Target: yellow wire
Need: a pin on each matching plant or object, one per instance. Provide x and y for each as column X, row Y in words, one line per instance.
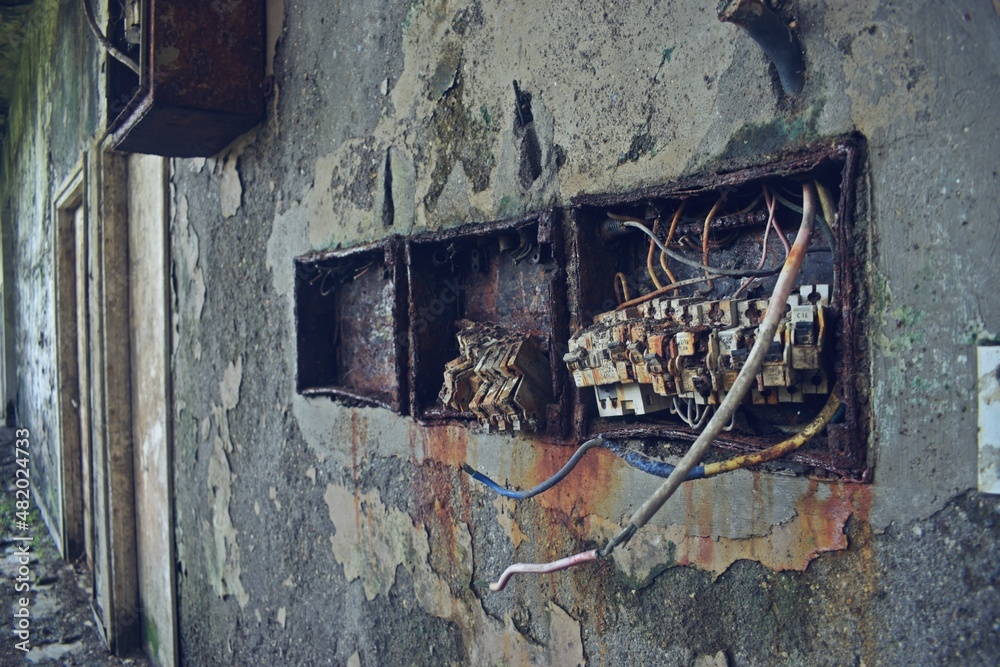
column 782, row 448
column 826, row 202
column 670, row 237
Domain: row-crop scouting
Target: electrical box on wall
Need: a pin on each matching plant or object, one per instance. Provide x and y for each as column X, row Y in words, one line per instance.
column 201, row 75
column 567, row 331
column 651, row 362
column 487, row 313
column 350, row 309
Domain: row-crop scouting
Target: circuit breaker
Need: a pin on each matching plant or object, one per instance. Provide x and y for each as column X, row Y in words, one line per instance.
column 486, row 318
column 672, row 284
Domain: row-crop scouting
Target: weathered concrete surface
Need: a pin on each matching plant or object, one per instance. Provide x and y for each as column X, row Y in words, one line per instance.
column 13, row 21
column 310, row 533
column 363, row 517
column 51, row 121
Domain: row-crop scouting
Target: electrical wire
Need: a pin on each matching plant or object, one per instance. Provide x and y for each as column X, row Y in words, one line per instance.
column 747, row 375
column 773, row 222
column 542, row 568
column 670, row 237
column 662, row 469
column 544, row 486
column 649, row 260
column 692, row 263
column 105, row 42
column 704, row 241
column 663, row 290
column 826, row 201
column 621, row 287
column 658, row 468
column 824, row 224
column 829, row 218
column 724, row 413
column 824, row 417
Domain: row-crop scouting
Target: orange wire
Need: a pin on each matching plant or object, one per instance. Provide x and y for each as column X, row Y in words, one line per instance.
column 704, row 239
column 670, row 237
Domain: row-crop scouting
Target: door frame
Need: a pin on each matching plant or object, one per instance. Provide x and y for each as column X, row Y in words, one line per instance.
column 99, row 183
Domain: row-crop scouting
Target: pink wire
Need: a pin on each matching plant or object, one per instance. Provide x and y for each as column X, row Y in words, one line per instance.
column 772, row 221
column 542, row 568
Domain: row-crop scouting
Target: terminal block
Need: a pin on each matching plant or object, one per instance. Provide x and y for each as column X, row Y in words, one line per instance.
column 501, row 378
column 643, row 358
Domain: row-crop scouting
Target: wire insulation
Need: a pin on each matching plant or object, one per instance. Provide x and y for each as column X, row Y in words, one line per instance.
column 649, row 259
column 621, row 287
column 748, row 374
column 663, row 290
column 704, row 240
column 824, row 417
column 542, row 568
column 544, row 486
column 105, row 42
column 695, row 264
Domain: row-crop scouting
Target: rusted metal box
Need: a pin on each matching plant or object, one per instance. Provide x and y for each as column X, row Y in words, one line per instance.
column 350, row 312
column 201, row 81
column 791, row 389
column 510, row 274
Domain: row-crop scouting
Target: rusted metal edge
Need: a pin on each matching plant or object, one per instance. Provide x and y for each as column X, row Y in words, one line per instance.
column 473, row 229
column 549, row 223
column 842, row 461
column 779, row 165
column 857, row 417
column 350, row 251
column 395, row 398
column 349, row 398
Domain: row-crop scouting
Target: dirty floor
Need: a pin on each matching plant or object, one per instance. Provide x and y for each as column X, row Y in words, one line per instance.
column 62, row 624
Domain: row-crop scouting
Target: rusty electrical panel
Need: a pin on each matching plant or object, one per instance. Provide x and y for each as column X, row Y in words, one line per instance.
column 201, row 75
column 350, row 312
column 632, row 321
column 651, row 361
column 487, row 313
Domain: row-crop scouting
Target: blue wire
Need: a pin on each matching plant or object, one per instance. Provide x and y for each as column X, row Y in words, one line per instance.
column 544, row 486
column 630, row 456
column 648, row 465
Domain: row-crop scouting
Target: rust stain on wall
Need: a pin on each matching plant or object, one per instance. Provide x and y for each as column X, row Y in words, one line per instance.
column 818, row 527
column 389, row 537
column 821, row 515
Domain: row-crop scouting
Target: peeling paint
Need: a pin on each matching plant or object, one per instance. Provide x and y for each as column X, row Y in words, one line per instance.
column 230, row 187
column 222, row 553
column 817, row 527
column 371, row 541
column 505, row 517
column 189, row 279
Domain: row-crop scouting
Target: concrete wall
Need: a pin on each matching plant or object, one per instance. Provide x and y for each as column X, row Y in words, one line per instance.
column 52, row 122
column 307, row 532
column 313, row 532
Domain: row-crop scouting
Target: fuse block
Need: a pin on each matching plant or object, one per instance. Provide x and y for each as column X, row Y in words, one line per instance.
column 500, row 377
column 643, row 358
